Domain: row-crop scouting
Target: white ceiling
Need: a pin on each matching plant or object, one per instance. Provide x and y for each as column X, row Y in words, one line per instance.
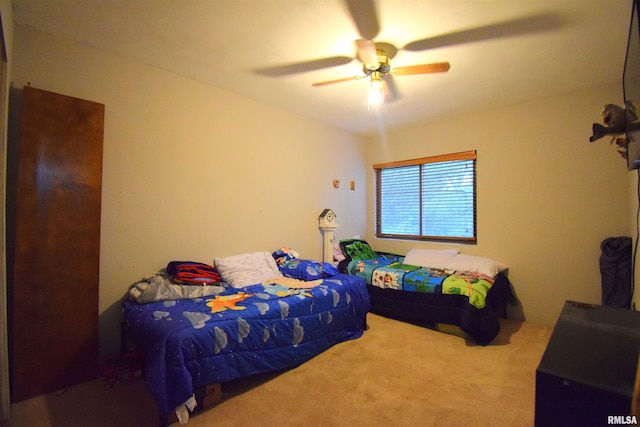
column 501, row 52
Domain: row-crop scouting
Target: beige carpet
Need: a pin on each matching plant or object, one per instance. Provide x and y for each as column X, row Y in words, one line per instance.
column 397, row 374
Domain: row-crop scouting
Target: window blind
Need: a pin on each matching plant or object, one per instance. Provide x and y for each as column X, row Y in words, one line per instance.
column 429, row 198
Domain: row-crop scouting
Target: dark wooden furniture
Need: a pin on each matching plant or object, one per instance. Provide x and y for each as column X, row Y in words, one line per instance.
column 54, row 270
column 589, row 368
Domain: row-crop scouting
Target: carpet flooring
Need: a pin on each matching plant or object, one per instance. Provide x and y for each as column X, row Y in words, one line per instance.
column 396, row 374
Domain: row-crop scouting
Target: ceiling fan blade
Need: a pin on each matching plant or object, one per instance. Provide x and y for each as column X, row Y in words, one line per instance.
column 390, row 89
column 345, row 79
column 302, row 67
column 437, row 67
column 367, row 53
column 365, row 17
column 525, row 25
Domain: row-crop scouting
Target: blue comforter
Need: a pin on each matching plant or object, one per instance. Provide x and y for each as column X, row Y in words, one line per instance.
column 190, row 343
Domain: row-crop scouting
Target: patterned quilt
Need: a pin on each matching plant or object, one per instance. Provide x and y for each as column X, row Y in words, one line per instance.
column 260, row 328
column 390, row 272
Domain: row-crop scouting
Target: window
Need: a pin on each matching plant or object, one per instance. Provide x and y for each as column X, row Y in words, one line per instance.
column 432, row 198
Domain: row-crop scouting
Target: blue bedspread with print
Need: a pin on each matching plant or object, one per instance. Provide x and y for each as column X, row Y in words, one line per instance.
column 190, row 343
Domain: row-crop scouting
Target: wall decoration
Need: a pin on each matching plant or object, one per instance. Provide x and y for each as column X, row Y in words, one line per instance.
column 616, row 122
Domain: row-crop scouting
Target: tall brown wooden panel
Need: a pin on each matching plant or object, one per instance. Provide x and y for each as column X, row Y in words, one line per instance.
column 54, row 291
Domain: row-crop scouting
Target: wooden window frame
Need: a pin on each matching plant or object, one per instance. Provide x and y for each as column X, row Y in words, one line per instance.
column 453, row 157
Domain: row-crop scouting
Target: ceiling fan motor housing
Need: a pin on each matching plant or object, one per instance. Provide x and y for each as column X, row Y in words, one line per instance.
column 383, row 64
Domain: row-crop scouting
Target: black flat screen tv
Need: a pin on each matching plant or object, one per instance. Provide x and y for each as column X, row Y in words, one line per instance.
column 631, row 89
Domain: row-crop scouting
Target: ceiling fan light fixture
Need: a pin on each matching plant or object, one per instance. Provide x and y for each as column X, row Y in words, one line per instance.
column 376, row 90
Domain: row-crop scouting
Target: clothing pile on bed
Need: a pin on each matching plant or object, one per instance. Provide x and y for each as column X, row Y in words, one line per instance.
column 190, row 279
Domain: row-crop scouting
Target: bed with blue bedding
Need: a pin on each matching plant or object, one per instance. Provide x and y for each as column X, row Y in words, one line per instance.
column 212, row 334
column 435, row 288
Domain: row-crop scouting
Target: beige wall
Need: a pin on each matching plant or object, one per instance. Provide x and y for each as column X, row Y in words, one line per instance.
column 546, row 196
column 192, row 172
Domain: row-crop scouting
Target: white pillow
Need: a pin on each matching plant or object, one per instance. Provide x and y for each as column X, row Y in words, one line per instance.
column 477, row 264
column 247, row 269
column 337, row 253
column 437, row 258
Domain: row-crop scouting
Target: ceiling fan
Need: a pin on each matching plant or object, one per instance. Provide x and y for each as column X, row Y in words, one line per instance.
column 375, row 65
column 375, row 56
